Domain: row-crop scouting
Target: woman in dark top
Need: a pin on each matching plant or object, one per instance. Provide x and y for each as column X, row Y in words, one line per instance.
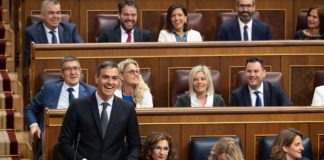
column 201, row 90
column 315, row 29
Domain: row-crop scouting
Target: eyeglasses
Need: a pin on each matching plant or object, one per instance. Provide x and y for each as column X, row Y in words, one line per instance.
column 132, row 72
column 160, row 149
column 127, row 15
column 248, row 6
column 70, row 69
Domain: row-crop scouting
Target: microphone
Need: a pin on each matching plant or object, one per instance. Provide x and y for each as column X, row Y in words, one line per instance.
column 77, row 146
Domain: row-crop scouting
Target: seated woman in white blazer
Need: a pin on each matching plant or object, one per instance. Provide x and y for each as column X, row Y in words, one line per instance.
column 177, row 29
column 318, row 98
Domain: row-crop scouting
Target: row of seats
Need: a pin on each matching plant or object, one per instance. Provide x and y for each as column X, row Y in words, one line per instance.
column 200, row 147
column 195, row 21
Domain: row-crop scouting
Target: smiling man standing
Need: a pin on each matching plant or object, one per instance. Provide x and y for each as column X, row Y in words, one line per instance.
column 125, row 31
column 106, row 126
column 50, row 29
column 244, row 28
column 257, row 92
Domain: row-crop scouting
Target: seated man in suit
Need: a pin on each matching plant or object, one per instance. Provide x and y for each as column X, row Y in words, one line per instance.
column 55, row 94
column 125, row 31
column 245, row 28
column 51, row 29
column 257, row 92
column 102, row 122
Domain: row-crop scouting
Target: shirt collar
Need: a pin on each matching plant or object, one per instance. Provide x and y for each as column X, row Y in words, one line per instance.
column 249, row 24
column 47, row 30
column 100, row 101
column 75, row 87
column 260, row 89
column 124, row 31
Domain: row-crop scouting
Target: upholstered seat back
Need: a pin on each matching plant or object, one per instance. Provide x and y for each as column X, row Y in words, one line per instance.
column 35, row 18
column 301, row 21
column 200, row 147
column 180, row 83
column 147, row 77
column 266, row 143
column 274, row 78
column 103, row 21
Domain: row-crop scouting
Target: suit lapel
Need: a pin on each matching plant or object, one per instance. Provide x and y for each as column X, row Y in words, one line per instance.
column 95, row 111
column 82, row 90
column 113, row 115
column 57, row 92
column 266, row 94
column 255, row 32
column 136, row 35
column 118, row 33
column 41, row 33
column 237, row 31
column 62, row 37
column 246, row 95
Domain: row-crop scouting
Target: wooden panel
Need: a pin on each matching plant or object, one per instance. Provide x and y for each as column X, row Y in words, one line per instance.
column 276, row 19
column 183, row 123
column 151, row 20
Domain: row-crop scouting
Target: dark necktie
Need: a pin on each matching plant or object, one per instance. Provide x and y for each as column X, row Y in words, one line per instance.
column 129, row 38
column 258, row 99
column 54, row 39
column 71, row 96
column 245, row 34
column 104, row 119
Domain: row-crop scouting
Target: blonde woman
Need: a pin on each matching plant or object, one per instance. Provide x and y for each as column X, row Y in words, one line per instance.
column 226, row 149
column 132, row 87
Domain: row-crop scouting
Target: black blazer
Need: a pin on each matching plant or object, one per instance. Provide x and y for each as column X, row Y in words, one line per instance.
column 82, row 117
column 114, row 35
column 185, row 101
column 231, row 31
column 68, row 33
column 273, row 96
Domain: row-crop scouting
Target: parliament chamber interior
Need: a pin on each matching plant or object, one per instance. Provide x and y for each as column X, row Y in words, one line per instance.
column 295, row 65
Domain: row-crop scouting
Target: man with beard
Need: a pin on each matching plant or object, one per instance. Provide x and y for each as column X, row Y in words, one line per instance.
column 245, row 28
column 257, row 92
column 51, row 29
column 125, row 31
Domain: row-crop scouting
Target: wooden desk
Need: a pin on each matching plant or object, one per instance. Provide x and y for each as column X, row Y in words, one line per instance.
column 246, row 122
column 297, row 60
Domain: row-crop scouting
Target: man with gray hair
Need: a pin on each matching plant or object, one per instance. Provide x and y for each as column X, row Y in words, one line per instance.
column 50, row 30
column 244, row 28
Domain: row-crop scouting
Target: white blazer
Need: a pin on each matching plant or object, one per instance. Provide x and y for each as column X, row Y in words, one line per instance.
column 192, row 36
column 318, row 98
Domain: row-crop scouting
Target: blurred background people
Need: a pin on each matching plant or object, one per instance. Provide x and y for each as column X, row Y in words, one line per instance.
column 132, row 87
column 226, row 149
column 288, row 146
column 158, row 146
column 201, row 90
column 313, row 25
column 177, row 28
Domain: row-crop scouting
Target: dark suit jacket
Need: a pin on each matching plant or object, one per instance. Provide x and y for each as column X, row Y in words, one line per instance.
column 114, row 35
column 49, row 96
column 273, row 96
column 82, row 117
column 185, row 101
column 68, row 33
column 231, row 31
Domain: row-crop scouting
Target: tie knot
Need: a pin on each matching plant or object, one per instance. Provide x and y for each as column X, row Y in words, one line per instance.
column 256, row 92
column 245, row 27
column 70, row 90
column 52, row 32
column 104, row 105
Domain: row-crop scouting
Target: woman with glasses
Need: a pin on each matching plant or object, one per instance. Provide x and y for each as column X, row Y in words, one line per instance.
column 158, row 146
column 314, row 30
column 177, row 28
column 132, row 87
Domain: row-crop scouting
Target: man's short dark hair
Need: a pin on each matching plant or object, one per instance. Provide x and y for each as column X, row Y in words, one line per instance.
column 254, row 59
column 123, row 3
column 69, row 59
column 106, row 64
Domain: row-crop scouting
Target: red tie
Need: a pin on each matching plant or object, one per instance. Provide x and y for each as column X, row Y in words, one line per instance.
column 129, row 38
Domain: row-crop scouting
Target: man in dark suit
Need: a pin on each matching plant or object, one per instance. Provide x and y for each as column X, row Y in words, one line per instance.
column 101, row 122
column 55, row 94
column 257, row 92
column 51, row 29
column 125, row 31
column 245, row 28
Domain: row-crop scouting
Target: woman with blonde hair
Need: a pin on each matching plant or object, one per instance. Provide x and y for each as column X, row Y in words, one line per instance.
column 226, row 149
column 132, row 87
column 201, row 90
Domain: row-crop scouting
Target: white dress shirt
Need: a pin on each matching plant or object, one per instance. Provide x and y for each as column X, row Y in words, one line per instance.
column 253, row 96
column 109, row 107
column 249, row 29
column 124, row 35
column 195, row 101
column 49, row 35
column 63, row 102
